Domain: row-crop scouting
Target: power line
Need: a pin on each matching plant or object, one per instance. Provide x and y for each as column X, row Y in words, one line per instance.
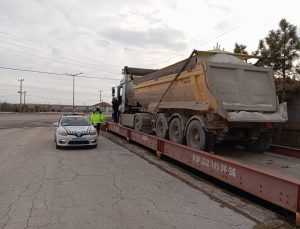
column 8, row 95
column 55, row 73
column 47, row 98
column 48, row 47
column 26, row 70
column 64, row 100
column 79, row 63
column 202, row 43
column 181, row 51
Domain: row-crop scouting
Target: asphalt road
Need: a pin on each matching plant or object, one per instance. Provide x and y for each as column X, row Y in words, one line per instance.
column 106, row 187
column 16, row 120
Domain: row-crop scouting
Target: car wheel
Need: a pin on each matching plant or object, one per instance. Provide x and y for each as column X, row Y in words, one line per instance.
column 57, row 146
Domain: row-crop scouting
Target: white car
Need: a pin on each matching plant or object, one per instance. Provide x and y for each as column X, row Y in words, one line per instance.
column 75, row 130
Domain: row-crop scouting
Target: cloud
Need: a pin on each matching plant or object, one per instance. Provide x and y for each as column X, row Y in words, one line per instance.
column 164, row 37
column 224, row 8
column 99, row 37
column 151, row 17
column 222, row 25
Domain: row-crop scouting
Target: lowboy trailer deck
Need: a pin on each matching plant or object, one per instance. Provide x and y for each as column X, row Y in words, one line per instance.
column 271, row 177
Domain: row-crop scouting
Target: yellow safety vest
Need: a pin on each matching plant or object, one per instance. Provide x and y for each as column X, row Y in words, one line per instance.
column 97, row 117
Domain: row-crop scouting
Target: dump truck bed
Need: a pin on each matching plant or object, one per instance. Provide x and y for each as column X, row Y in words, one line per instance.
column 242, row 87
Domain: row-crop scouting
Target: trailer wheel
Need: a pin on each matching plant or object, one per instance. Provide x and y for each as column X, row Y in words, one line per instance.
column 260, row 145
column 195, row 135
column 176, row 131
column 161, row 127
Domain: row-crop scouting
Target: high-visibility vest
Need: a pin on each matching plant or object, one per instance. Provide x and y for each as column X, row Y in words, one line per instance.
column 97, row 117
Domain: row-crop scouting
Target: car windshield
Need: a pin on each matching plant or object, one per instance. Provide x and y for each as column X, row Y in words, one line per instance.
column 75, row 121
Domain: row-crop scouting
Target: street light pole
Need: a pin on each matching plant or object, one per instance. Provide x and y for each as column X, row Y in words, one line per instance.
column 73, row 86
column 24, row 104
column 100, row 91
column 21, row 84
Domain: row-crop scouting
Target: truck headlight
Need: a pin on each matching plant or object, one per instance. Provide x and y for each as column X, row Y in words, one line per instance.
column 62, row 132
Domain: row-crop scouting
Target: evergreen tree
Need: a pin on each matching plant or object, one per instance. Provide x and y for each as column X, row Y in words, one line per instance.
column 240, row 49
column 279, row 50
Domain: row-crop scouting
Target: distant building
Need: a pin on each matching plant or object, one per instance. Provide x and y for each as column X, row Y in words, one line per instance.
column 105, row 107
column 29, row 107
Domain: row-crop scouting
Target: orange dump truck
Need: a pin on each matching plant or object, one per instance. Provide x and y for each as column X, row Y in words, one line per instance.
column 210, row 97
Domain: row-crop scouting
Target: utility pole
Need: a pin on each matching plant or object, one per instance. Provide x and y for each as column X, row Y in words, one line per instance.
column 24, row 100
column 100, row 91
column 21, row 85
column 73, row 85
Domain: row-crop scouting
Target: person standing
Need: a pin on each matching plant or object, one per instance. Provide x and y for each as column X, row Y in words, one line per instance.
column 115, row 106
column 97, row 119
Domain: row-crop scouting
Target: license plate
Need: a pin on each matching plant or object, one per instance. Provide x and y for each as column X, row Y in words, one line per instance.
column 78, row 139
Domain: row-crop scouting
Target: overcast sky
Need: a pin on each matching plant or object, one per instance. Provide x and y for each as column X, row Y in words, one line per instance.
column 98, row 38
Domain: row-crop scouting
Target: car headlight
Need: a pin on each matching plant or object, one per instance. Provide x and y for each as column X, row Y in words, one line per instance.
column 93, row 132
column 62, row 132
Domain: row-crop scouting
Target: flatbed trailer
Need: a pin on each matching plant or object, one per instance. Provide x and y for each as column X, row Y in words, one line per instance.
column 284, row 150
column 271, row 177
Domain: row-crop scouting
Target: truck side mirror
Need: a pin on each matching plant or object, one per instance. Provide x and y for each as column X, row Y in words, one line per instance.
column 113, row 91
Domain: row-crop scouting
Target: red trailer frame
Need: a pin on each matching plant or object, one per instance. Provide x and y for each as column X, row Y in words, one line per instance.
column 275, row 188
column 284, row 150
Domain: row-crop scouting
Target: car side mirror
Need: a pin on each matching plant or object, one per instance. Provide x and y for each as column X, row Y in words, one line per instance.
column 55, row 124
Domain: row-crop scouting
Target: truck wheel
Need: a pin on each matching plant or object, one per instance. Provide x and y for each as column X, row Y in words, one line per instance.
column 176, row 131
column 260, row 145
column 161, row 127
column 209, row 141
column 195, row 135
column 136, row 124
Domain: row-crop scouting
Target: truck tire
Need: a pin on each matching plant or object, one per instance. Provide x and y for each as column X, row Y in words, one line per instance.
column 260, row 145
column 137, row 123
column 195, row 135
column 176, row 131
column 161, row 127
column 209, row 141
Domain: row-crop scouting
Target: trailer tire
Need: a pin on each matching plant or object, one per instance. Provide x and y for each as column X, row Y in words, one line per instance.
column 195, row 135
column 176, row 131
column 161, row 127
column 260, row 145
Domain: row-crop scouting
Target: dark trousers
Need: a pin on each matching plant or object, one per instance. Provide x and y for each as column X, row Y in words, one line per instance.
column 98, row 127
column 115, row 116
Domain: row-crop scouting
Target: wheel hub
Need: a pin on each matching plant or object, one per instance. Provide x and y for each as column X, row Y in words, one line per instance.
column 176, row 133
